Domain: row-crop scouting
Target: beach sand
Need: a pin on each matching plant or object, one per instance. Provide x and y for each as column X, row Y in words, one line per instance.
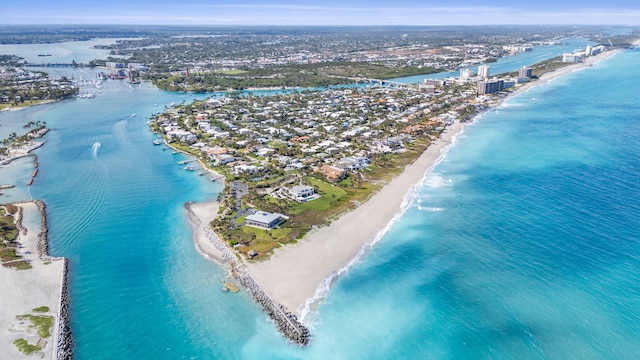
column 293, row 273
column 200, row 216
column 298, row 275
column 24, row 290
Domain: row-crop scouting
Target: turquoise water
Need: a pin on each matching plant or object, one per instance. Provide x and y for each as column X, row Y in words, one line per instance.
column 523, row 243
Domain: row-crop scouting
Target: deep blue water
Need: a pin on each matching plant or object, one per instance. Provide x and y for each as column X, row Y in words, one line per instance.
column 524, row 243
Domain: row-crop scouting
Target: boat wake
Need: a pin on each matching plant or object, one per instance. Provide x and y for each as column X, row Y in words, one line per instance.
column 94, row 149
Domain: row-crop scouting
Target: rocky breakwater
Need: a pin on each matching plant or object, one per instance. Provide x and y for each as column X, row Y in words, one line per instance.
column 64, row 345
column 287, row 322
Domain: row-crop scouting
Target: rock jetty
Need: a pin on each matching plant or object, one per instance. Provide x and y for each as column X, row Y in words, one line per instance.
column 287, row 322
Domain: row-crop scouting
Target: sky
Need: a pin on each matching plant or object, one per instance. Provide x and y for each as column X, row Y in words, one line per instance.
column 320, row 12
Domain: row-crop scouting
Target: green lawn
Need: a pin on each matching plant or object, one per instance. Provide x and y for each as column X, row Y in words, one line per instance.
column 334, row 200
column 330, row 195
column 233, row 72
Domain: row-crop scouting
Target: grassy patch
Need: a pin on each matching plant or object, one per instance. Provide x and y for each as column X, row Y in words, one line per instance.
column 335, row 199
column 331, row 195
column 42, row 323
column 26, row 348
column 22, row 265
column 8, row 254
column 233, row 72
column 41, row 309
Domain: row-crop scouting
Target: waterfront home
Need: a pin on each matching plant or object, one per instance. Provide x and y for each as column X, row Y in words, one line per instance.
column 221, row 159
column 302, row 193
column 264, row 220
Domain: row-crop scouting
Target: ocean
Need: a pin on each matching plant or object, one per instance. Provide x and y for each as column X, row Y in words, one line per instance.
column 522, row 243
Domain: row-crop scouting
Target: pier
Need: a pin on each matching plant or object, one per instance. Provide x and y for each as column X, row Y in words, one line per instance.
column 193, row 168
column 186, row 161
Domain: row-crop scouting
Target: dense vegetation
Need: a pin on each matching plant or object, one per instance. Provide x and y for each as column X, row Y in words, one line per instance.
column 310, row 75
column 8, row 236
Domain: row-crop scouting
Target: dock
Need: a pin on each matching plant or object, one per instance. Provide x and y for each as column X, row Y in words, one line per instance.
column 182, row 162
column 193, row 168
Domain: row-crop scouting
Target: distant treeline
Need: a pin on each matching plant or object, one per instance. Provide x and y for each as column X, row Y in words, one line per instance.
column 309, row 75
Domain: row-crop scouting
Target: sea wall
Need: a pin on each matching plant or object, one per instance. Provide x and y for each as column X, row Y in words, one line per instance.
column 287, row 323
column 64, row 344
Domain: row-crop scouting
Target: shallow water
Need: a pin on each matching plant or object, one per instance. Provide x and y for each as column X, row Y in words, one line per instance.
column 522, row 243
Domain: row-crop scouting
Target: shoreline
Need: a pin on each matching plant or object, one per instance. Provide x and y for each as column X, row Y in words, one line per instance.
column 17, row 108
column 199, row 215
column 300, row 275
column 210, row 245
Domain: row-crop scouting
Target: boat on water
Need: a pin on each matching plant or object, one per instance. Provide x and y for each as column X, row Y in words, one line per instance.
column 157, row 142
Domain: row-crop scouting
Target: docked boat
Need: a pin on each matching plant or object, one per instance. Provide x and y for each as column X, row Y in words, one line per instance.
column 157, row 142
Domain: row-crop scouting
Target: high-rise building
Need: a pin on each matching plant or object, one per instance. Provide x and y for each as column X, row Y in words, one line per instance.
column 525, row 72
column 588, row 51
column 483, row 71
column 490, row 86
column 466, row 73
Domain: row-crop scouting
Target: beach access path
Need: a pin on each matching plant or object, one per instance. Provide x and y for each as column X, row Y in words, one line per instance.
column 25, row 290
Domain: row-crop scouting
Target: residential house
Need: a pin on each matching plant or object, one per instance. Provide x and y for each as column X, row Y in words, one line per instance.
column 264, row 220
column 301, row 193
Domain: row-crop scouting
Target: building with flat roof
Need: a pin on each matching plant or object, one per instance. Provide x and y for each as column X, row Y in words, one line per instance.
column 264, row 220
column 302, row 193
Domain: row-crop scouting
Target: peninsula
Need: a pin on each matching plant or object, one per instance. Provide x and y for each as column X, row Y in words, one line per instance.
column 338, row 149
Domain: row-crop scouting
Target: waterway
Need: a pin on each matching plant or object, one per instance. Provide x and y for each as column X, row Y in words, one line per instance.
column 522, row 243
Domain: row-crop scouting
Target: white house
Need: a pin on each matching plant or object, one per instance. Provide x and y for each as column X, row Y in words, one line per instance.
column 301, row 193
column 264, row 220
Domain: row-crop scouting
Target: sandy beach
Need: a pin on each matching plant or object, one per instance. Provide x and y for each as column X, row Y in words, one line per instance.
column 200, row 216
column 548, row 76
column 293, row 273
column 25, row 290
column 299, row 275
